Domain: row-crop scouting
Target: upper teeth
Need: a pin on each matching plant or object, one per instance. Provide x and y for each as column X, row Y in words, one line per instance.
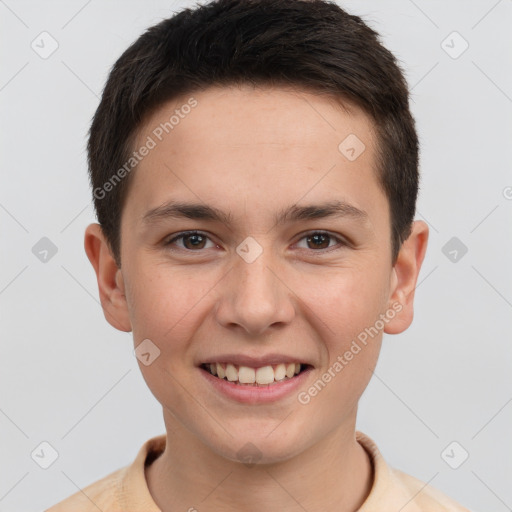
column 248, row 375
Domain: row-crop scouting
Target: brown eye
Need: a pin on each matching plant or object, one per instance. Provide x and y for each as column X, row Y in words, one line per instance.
column 191, row 240
column 319, row 240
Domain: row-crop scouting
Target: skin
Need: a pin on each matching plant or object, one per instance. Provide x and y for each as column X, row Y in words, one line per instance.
column 253, row 152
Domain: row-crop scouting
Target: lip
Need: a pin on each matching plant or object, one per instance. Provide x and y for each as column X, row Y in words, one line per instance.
column 247, row 394
column 254, row 361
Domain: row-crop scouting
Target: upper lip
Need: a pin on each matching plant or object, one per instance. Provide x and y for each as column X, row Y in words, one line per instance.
column 254, row 361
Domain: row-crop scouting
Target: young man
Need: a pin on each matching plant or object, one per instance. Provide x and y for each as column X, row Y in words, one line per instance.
column 254, row 166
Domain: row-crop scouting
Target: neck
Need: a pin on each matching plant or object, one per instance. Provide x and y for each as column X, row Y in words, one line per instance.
column 333, row 475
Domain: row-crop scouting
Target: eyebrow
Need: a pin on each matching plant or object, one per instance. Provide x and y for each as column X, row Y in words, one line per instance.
column 198, row 211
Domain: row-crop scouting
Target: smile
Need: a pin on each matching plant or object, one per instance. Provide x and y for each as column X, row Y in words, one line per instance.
column 262, row 376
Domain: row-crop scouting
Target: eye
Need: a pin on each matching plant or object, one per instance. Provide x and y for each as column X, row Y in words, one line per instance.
column 192, row 240
column 319, row 240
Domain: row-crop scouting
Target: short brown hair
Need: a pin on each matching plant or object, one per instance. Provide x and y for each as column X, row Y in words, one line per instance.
column 312, row 44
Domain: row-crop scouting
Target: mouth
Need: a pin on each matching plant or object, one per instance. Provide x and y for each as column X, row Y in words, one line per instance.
column 263, row 376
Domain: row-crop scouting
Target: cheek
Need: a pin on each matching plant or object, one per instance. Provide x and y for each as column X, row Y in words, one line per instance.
column 348, row 309
column 348, row 301
column 165, row 303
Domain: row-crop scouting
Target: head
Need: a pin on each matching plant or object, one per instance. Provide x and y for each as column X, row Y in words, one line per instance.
column 280, row 132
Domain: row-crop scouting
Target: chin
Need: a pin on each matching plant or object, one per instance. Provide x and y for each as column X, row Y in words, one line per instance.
column 264, row 446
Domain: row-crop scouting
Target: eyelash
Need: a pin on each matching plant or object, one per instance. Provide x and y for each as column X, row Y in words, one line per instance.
column 184, row 234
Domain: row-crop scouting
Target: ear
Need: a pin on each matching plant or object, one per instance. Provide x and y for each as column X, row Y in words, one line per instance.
column 404, row 277
column 110, row 279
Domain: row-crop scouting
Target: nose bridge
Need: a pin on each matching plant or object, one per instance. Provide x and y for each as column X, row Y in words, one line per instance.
column 254, row 298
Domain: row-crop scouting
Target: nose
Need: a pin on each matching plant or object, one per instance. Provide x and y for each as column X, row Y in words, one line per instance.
column 255, row 297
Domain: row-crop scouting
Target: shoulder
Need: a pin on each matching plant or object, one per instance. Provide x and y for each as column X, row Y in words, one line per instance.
column 123, row 490
column 395, row 490
column 426, row 497
column 101, row 495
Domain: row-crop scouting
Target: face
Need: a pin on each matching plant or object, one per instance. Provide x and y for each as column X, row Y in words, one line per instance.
column 289, row 262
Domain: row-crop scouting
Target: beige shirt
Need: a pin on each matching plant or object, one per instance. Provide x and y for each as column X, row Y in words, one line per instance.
column 126, row 490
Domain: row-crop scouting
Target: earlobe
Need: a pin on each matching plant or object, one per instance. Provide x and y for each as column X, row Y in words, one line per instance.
column 109, row 277
column 405, row 276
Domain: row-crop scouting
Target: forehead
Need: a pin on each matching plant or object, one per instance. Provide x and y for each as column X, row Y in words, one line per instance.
column 250, row 115
column 263, row 146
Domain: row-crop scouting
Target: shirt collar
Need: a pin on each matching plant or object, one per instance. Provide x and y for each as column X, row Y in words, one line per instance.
column 387, row 492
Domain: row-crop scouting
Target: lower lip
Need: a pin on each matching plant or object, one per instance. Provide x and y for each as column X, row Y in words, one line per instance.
column 248, row 394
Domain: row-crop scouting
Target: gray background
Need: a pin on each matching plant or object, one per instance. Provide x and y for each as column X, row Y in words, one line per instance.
column 68, row 378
